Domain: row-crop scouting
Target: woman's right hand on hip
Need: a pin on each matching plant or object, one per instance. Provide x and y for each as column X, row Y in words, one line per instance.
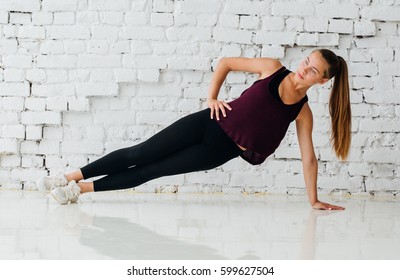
column 216, row 105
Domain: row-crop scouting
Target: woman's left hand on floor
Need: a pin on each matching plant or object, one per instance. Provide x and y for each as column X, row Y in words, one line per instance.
column 326, row 206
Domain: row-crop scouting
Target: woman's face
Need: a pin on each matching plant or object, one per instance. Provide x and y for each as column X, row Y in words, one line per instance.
column 311, row 70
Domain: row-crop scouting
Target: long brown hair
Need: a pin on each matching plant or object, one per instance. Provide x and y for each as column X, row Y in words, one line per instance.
column 339, row 103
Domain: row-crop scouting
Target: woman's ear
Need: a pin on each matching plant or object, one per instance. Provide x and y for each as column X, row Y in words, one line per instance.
column 323, row 81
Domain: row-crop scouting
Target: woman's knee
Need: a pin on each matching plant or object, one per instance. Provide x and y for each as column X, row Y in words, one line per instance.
column 136, row 154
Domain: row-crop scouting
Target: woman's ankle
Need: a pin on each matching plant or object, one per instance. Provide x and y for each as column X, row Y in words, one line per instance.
column 86, row 187
column 74, row 176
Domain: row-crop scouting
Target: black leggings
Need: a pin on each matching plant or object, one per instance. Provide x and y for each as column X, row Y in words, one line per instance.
column 192, row 143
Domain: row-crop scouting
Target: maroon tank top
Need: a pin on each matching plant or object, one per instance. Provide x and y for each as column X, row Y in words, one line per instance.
column 258, row 121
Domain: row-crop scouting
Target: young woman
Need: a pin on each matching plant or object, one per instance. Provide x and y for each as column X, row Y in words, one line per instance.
column 252, row 127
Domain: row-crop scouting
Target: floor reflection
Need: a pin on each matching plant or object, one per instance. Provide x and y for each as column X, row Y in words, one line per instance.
column 118, row 238
column 161, row 226
column 309, row 244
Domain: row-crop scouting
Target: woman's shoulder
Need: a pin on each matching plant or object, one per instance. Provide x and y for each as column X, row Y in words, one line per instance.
column 305, row 114
column 271, row 66
column 263, row 66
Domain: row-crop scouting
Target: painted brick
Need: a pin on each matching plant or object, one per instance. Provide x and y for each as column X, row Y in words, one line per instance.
column 282, row 38
column 306, row 39
column 97, row 89
column 53, row 133
column 148, row 75
column 85, row 147
column 97, row 47
column 8, row 146
column 99, row 61
column 229, row 21
column 144, row 33
column 31, row 32
column 56, row 103
column 57, row 76
column 246, row 7
column 26, row 175
column 105, row 5
column 294, row 24
column 340, row 26
column 207, row 19
column 12, row 103
column 3, row 17
column 14, row 89
column 273, row 23
column 384, row 170
column 232, row 36
column 328, row 40
column 41, row 118
column 20, row 18
column 189, row 34
column 382, row 55
column 312, row 24
column 381, row 184
column 292, row 9
column 353, row 184
column 10, row 161
column 42, row 18
column 384, row 97
column 52, row 47
column 363, row 69
column 152, row 62
column 56, row 61
column 113, row 18
column 20, row 5
column 82, row 78
column 74, row 47
column 53, row 90
column 156, row 118
column 67, row 32
column 8, row 46
column 364, row 28
column 386, row 28
column 78, row 104
column 55, row 6
column 101, row 75
column 331, row 11
column 32, row 162
column 189, row 63
column 64, row 18
column 161, row 19
column 382, row 155
column 35, row 104
column 381, row 13
column 14, row 75
column 13, row 131
column 207, row 177
column 29, row 147
column 34, row 132
column 372, row 42
column 198, row 6
column 19, row 61
column 105, row 32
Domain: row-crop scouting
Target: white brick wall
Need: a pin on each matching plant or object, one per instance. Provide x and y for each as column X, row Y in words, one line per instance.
column 82, row 78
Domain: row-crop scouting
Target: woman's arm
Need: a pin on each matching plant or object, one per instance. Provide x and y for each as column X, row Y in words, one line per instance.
column 304, row 126
column 261, row 66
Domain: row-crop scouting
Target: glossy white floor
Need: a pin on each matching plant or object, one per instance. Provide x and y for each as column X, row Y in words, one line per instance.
column 127, row 225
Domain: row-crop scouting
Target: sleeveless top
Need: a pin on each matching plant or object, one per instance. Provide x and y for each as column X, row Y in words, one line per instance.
column 259, row 119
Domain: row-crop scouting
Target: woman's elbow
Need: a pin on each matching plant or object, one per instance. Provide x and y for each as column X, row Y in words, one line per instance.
column 309, row 160
column 224, row 62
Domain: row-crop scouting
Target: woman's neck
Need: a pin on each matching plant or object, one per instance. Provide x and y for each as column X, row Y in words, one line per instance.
column 298, row 88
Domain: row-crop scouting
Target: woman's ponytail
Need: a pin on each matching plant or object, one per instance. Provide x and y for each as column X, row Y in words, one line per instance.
column 340, row 111
column 339, row 103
